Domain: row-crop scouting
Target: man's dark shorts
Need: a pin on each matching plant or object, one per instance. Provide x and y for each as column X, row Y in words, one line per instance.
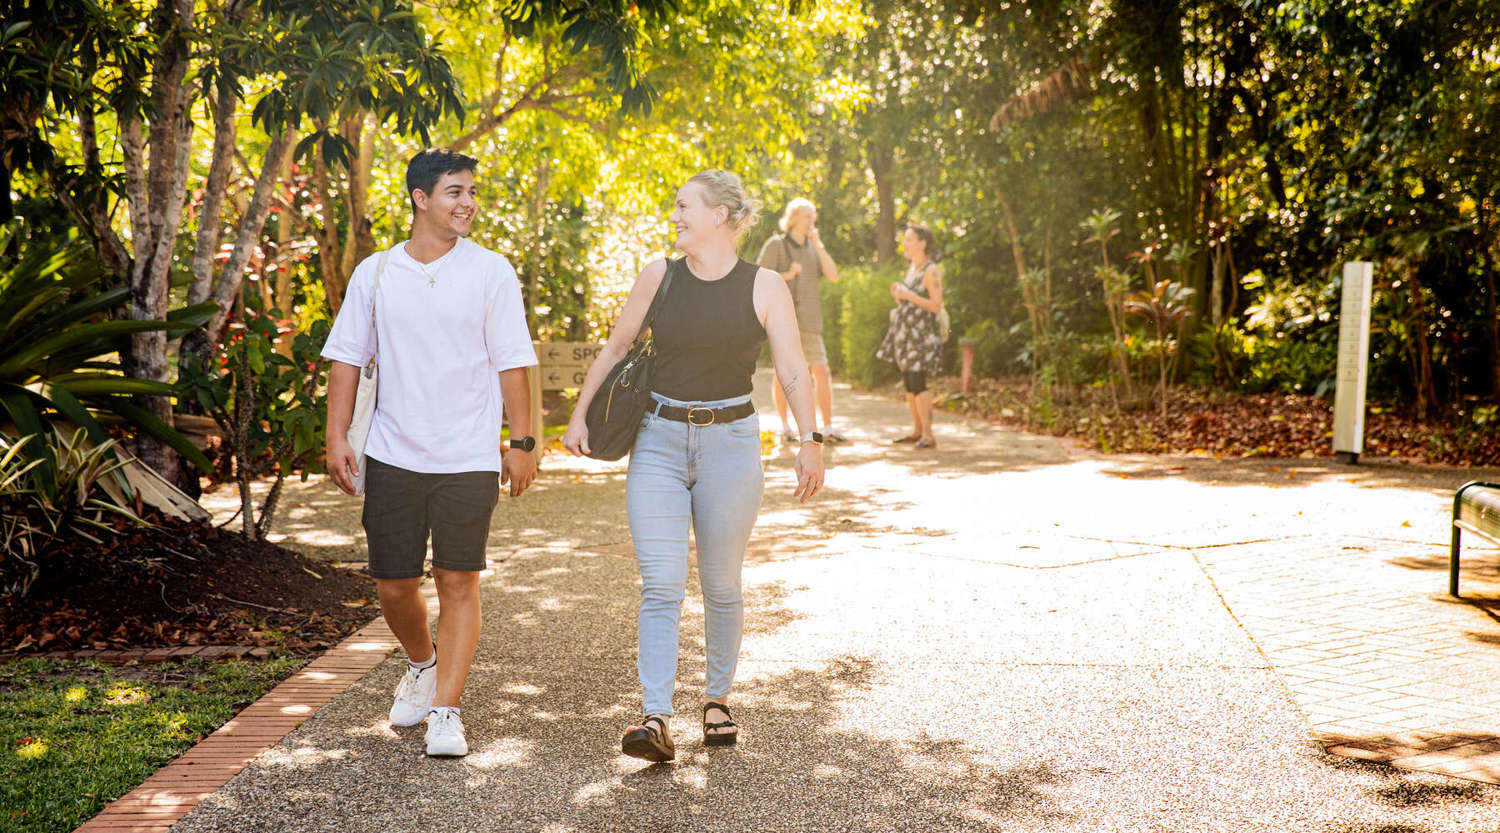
column 402, row 507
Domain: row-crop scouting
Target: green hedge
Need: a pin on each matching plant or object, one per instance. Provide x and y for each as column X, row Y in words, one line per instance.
column 863, row 300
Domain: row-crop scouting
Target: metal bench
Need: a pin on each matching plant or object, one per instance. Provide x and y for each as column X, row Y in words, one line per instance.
column 1476, row 509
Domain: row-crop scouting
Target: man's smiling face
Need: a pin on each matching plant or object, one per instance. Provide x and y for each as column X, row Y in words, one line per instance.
column 451, row 206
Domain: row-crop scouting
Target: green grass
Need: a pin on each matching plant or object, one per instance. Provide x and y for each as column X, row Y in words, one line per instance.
column 76, row 735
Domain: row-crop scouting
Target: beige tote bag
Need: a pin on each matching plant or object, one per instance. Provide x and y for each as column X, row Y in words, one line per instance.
column 369, row 383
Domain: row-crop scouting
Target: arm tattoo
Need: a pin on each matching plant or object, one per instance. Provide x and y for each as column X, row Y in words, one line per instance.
column 791, row 384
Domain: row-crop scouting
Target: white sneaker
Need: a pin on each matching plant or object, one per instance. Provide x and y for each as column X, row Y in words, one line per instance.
column 414, row 696
column 445, row 734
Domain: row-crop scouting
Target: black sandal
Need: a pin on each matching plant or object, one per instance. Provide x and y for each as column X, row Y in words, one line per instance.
column 649, row 741
column 712, row 738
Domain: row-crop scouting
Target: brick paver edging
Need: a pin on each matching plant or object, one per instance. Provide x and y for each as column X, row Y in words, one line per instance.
column 177, row 788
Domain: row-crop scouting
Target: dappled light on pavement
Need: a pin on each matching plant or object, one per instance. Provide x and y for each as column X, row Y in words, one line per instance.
column 1006, row 634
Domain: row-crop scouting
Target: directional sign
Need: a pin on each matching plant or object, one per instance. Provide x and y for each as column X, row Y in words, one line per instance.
column 557, row 378
column 565, row 363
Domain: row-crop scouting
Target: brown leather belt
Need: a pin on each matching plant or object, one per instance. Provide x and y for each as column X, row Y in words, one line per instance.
column 705, row 416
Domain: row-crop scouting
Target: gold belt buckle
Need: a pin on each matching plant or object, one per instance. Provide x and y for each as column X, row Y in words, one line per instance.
column 695, row 422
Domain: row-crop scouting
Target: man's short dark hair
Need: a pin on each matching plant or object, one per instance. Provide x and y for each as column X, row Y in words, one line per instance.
column 426, row 168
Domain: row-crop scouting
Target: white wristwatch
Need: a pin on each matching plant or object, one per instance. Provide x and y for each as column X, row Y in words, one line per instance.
column 813, row 437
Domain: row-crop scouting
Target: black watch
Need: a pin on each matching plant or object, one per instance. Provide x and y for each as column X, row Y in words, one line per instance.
column 527, row 443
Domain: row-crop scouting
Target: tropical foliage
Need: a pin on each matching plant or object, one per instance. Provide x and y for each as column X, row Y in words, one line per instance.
column 82, row 499
column 1240, row 150
column 59, row 348
column 1207, row 165
column 270, row 407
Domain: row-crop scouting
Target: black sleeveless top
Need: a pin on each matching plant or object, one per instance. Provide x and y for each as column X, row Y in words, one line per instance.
column 707, row 336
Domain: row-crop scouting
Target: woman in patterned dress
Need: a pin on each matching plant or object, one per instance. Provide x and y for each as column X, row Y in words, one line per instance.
column 912, row 343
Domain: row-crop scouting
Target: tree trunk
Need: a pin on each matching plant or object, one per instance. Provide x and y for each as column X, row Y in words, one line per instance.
column 210, row 224
column 196, row 345
column 339, row 255
column 1161, row 386
column 881, row 165
column 157, row 186
column 243, row 408
column 1216, row 287
column 283, row 241
column 359, row 239
column 330, row 258
column 268, row 506
column 1014, row 231
column 1032, row 287
column 252, row 223
column 1426, row 387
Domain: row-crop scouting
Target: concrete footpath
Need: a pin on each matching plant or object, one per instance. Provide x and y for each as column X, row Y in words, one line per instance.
column 1005, row 634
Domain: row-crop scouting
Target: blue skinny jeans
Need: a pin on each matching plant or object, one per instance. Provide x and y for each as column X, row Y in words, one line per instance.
column 708, row 478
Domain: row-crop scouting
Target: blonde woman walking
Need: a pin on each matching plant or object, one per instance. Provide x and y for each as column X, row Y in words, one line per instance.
column 696, row 461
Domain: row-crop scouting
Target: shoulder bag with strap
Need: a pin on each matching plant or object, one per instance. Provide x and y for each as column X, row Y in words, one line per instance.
column 369, row 383
column 614, row 414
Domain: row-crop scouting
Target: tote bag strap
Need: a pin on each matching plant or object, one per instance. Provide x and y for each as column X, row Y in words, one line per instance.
column 656, row 301
column 375, row 291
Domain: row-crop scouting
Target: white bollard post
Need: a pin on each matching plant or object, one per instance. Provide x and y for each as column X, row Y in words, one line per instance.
column 1354, row 361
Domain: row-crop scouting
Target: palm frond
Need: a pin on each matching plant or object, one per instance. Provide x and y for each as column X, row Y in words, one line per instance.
column 1071, row 80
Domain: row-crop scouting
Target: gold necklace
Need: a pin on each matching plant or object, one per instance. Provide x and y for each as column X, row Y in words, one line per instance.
column 432, row 276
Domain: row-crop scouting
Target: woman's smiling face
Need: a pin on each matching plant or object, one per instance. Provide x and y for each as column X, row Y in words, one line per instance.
column 693, row 218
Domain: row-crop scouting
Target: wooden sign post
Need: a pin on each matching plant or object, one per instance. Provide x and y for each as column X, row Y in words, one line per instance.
column 1354, row 361
column 561, row 365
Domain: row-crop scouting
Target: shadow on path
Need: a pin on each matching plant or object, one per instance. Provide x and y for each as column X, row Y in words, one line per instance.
column 1290, row 473
column 915, row 657
column 554, row 685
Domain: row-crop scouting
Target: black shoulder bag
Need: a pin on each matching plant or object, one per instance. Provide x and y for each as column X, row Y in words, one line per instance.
column 615, row 412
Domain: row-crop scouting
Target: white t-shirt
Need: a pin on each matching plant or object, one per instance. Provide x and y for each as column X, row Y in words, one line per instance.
column 442, row 343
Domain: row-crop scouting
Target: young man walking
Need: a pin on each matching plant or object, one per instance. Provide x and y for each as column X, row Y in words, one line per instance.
column 447, row 320
column 797, row 254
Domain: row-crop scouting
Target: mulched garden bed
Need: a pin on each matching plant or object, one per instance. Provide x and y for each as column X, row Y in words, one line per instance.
column 178, row 583
column 1219, row 423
